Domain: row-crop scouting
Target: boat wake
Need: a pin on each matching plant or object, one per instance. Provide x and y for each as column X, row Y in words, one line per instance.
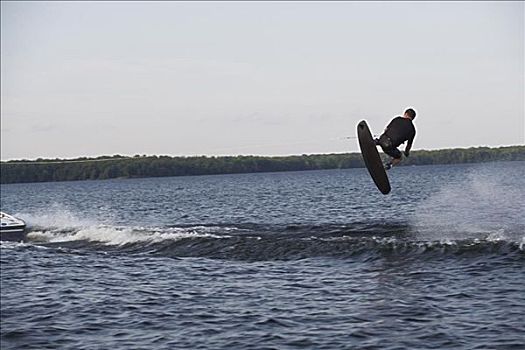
column 256, row 242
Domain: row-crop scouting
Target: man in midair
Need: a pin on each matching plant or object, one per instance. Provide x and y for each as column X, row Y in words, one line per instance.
column 399, row 130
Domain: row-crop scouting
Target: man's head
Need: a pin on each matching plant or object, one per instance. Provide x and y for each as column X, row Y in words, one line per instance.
column 410, row 113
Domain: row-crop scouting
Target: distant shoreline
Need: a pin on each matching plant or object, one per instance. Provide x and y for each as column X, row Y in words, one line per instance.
column 117, row 166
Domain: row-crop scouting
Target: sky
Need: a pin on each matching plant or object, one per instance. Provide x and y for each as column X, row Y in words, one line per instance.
column 260, row 78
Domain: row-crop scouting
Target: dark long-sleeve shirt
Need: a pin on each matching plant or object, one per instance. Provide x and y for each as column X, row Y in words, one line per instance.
column 400, row 130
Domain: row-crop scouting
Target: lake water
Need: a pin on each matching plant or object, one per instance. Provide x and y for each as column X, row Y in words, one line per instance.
column 315, row 260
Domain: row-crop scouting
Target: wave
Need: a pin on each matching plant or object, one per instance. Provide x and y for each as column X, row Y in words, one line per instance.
column 256, row 242
column 120, row 235
column 444, row 224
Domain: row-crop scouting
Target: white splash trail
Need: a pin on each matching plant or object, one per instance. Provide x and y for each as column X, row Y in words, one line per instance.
column 484, row 205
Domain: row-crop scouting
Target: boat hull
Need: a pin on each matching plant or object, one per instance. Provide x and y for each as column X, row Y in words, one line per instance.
column 16, row 234
column 11, row 228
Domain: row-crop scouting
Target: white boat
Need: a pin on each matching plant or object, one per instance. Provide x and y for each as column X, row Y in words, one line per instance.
column 11, row 228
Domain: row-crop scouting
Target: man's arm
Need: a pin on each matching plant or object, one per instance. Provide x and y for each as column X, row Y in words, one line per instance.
column 408, row 146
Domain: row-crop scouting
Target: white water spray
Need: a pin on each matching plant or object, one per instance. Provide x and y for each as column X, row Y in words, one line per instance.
column 484, row 205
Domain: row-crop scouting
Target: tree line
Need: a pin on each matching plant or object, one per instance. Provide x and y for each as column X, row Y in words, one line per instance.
column 112, row 167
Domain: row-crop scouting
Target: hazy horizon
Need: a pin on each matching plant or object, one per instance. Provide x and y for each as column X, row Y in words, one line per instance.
column 255, row 78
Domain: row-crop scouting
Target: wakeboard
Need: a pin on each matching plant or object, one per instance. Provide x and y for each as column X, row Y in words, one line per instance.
column 371, row 158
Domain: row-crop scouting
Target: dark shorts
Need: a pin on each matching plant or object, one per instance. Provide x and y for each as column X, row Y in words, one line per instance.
column 388, row 147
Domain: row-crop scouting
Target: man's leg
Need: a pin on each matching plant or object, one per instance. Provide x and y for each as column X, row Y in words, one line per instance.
column 396, row 158
column 395, row 161
column 386, row 144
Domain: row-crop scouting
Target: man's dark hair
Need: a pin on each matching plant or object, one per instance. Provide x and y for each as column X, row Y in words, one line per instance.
column 411, row 113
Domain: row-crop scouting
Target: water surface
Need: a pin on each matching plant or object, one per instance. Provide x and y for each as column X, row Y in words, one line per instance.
column 317, row 259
